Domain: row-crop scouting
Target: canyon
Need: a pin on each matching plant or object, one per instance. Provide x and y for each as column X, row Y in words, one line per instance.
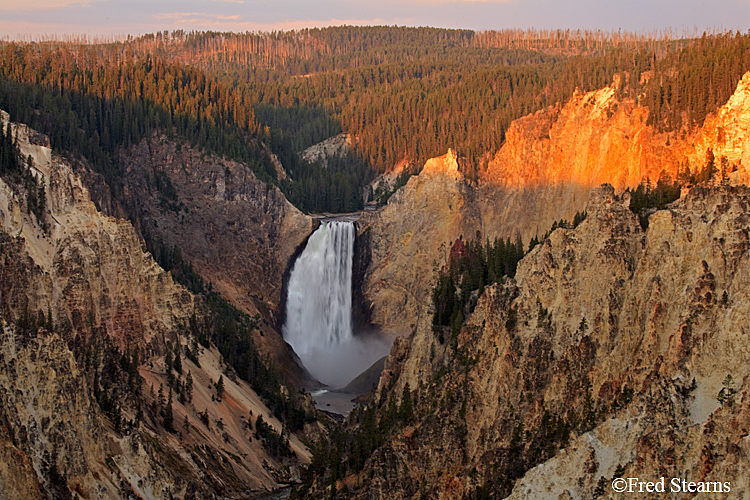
column 638, row 330
column 612, row 344
column 615, row 351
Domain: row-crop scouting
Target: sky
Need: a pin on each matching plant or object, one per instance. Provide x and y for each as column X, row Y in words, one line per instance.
column 24, row 19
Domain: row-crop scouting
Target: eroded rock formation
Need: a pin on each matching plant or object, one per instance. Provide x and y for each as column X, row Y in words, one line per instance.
column 237, row 232
column 613, row 351
column 77, row 286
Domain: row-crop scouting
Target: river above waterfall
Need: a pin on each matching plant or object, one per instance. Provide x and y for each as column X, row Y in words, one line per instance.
column 319, row 309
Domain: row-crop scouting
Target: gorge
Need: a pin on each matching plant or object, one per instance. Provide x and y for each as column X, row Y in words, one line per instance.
column 536, row 388
column 160, row 279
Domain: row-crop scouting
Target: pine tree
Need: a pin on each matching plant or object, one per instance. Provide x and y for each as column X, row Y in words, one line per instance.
column 220, row 388
column 406, row 409
column 168, row 420
column 168, row 360
column 189, row 387
column 177, row 361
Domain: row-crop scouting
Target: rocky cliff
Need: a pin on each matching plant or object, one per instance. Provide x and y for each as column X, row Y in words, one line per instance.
column 237, row 232
column 91, row 267
column 91, row 332
column 614, row 352
column 545, row 171
column 412, row 233
column 338, row 145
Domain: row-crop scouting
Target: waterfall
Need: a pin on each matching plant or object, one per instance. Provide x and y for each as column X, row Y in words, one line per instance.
column 319, row 301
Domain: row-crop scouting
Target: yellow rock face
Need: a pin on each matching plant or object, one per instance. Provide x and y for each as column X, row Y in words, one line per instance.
column 636, row 332
column 91, row 273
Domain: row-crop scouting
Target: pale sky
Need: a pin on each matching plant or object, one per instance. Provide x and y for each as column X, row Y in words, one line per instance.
column 37, row 18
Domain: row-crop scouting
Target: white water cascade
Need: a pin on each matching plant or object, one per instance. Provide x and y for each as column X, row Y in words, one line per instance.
column 319, row 308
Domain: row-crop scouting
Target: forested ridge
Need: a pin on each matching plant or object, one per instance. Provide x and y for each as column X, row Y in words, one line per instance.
column 406, row 94
column 91, row 102
column 313, row 50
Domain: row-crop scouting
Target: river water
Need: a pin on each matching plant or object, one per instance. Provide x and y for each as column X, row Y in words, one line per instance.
column 275, row 495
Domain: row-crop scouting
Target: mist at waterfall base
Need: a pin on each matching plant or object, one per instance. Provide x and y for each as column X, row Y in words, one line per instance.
column 319, row 309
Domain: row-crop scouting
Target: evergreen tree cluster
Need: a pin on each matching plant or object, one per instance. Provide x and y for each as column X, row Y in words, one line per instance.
column 295, row 128
column 644, row 199
column 336, row 187
column 577, row 219
column 688, row 84
column 275, row 443
column 28, row 322
column 348, row 447
column 10, row 156
column 90, row 101
column 169, row 257
column 231, row 331
column 471, row 266
column 113, row 375
column 182, row 388
column 383, row 193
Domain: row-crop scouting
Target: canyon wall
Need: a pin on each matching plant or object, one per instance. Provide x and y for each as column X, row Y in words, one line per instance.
column 91, row 267
column 237, row 232
column 89, row 321
column 545, row 171
column 614, row 351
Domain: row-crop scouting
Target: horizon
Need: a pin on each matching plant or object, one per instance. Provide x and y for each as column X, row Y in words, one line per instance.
column 108, row 20
column 93, row 39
